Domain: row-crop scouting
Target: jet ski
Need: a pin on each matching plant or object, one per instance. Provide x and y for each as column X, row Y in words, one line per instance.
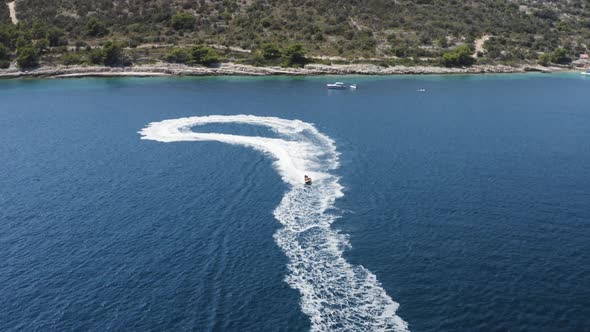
column 307, row 180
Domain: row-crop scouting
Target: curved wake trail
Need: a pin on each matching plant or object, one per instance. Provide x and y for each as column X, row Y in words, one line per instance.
column 336, row 295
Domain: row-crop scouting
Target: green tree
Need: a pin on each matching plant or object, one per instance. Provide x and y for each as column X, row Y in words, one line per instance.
column 96, row 56
column 27, row 57
column 203, row 55
column 42, row 45
column 183, row 21
column 294, row 55
column 4, row 52
column 560, row 56
column 22, row 42
column 39, row 30
column 8, row 35
column 270, row 51
column 197, row 52
column 55, row 37
column 459, row 57
column 4, row 56
column 443, row 42
column 71, row 59
column 178, row 55
column 95, row 28
column 113, row 53
column 212, row 57
column 545, row 59
column 257, row 59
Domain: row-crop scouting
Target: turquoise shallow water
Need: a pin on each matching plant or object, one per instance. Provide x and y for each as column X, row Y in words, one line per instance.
column 468, row 203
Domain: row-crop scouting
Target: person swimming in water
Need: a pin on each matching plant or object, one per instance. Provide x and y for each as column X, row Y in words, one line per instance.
column 307, row 179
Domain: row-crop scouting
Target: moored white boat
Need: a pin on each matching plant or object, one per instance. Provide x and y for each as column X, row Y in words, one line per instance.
column 587, row 72
column 337, row 85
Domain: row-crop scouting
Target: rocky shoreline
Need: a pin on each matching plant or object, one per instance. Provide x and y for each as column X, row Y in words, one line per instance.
column 164, row 69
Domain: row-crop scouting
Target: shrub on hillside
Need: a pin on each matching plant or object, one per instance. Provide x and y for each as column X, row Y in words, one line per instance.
column 96, row 56
column 95, row 28
column 294, row 55
column 203, row 55
column 4, row 52
column 459, row 57
column 198, row 55
column 183, row 21
column 71, row 59
column 177, row 55
column 56, row 37
column 27, row 57
column 4, row 57
column 270, row 51
column 42, row 45
column 8, row 35
column 113, row 54
column 560, row 56
column 545, row 59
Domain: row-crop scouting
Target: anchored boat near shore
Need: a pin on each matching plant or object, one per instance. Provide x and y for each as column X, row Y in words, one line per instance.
column 336, row 86
column 340, row 86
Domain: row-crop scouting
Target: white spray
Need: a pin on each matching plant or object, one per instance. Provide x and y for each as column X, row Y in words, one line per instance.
column 336, row 295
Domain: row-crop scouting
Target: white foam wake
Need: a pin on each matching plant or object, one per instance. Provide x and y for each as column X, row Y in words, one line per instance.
column 336, row 295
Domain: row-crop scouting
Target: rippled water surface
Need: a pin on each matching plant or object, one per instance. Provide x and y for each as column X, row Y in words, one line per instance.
column 462, row 208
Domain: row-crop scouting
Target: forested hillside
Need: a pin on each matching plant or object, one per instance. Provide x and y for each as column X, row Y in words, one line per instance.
column 4, row 17
column 406, row 31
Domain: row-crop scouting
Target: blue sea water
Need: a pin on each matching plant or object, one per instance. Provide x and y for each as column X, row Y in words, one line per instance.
column 469, row 203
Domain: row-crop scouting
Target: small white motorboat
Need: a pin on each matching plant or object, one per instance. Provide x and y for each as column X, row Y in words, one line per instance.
column 337, row 86
column 587, row 72
column 353, row 86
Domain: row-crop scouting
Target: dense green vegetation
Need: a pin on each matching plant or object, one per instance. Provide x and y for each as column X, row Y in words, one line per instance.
column 459, row 57
column 292, row 32
column 196, row 55
column 292, row 55
column 95, row 28
column 4, row 57
column 28, row 57
column 558, row 56
column 183, row 21
column 4, row 15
